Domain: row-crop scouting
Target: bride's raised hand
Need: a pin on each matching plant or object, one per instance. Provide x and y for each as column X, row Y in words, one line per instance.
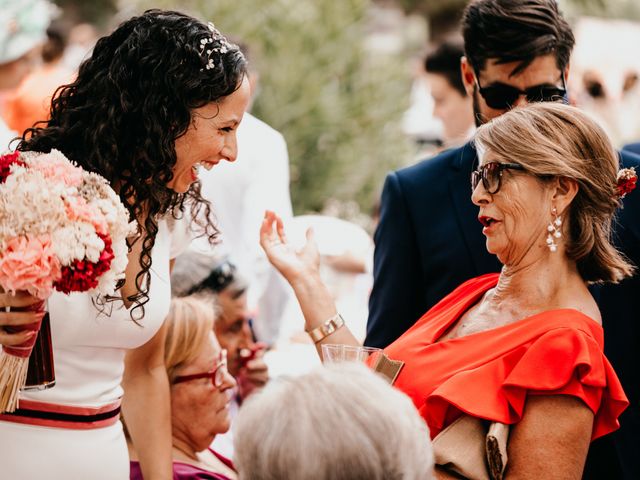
column 290, row 262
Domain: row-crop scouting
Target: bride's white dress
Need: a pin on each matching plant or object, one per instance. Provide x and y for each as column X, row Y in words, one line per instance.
column 89, row 349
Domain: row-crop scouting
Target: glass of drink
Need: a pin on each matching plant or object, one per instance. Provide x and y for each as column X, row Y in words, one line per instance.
column 348, row 353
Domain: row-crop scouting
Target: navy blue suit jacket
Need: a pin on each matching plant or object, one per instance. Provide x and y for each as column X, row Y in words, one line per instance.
column 633, row 148
column 429, row 241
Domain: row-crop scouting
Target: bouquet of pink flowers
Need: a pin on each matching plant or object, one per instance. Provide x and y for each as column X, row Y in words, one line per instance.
column 61, row 228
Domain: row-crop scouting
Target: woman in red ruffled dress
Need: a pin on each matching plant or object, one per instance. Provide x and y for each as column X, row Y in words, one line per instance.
column 523, row 347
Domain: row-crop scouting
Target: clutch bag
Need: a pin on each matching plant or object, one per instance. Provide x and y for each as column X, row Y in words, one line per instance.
column 473, row 448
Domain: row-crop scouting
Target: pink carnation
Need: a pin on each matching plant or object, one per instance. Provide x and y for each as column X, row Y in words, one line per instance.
column 29, row 264
column 77, row 208
column 56, row 167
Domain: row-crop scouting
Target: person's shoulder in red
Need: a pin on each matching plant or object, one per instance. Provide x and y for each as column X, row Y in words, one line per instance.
column 489, row 374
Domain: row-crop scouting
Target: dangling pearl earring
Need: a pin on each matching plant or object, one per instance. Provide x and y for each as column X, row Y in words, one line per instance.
column 554, row 231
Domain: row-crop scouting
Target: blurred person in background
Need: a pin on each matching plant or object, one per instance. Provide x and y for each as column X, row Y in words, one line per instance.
column 219, row 281
column 429, row 240
column 338, row 422
column 614, row 104
column 21, row 39
column 200, row 385
column 82, row 38
column 452, row 105
column 604, row 75
column 259, row 179
column 31, row 101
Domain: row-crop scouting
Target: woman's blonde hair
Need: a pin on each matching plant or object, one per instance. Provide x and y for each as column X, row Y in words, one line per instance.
column 556, row 140
column 189, row 324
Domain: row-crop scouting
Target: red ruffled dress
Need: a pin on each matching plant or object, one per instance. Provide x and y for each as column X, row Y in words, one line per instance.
column 490, row 374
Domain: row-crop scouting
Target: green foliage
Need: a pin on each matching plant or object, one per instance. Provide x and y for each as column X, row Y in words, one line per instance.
column 626, row 9
column 431, row 7
column 621, row 9
column 338, row 104
column 97, row 12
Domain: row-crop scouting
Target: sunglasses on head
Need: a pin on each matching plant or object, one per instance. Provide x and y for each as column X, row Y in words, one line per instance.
column 217, row 374
column 500, row 96
column 220, row 277
column 491, row 174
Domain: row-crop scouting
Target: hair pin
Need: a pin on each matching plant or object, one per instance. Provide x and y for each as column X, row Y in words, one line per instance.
column 207, row 48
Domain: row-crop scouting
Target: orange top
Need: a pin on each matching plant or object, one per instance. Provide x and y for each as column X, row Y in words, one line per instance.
column 31, row 102
column 489, row 374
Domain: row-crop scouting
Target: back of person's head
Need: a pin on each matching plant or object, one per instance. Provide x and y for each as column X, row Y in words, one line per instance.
column 515, row 31
column 556, row 140
column 445, row 60
column 338, row 422
column 189, row 326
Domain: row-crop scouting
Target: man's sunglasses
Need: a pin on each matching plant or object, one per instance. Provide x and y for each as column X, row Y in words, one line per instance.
column 502, row 97
column 217, row 374
column 490, row 174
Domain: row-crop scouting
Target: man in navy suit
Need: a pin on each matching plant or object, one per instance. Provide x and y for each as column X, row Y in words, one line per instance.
column 633, row 148
column 429, row 240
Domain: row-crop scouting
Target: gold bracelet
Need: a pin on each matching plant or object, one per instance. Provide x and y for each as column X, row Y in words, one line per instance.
column 327, row 328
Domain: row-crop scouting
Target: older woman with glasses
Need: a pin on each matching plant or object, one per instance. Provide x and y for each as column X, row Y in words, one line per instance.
column 200, row 382
column 523, row 347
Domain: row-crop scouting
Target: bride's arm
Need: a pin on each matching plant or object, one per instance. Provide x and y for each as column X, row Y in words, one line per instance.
column 146, row 406
column 301, row 270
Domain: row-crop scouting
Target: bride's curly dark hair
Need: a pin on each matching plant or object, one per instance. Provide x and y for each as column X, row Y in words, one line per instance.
column 130, row 101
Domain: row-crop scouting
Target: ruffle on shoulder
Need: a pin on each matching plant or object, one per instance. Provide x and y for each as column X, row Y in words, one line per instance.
column 562, row 361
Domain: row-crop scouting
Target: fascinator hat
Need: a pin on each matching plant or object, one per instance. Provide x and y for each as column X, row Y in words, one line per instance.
column 23, row 26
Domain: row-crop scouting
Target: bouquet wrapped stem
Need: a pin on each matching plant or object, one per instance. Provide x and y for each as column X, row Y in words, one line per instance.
column 14, row 361
column 41, row 374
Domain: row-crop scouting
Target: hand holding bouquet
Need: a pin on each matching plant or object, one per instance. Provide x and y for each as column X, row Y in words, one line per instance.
column 61, row 228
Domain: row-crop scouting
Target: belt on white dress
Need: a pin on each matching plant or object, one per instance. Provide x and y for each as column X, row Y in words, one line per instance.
column 63, row 416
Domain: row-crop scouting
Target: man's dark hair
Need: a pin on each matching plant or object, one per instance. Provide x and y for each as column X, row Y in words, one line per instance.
column 445, row 61
column 515, row 31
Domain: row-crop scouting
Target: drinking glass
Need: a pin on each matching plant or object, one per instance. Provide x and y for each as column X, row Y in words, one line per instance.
column 347, row 353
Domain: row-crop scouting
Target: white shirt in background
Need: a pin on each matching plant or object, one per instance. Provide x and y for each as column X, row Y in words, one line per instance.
column 240, row 192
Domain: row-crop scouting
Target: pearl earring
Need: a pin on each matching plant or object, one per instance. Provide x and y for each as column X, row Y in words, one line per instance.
column 554, row 231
